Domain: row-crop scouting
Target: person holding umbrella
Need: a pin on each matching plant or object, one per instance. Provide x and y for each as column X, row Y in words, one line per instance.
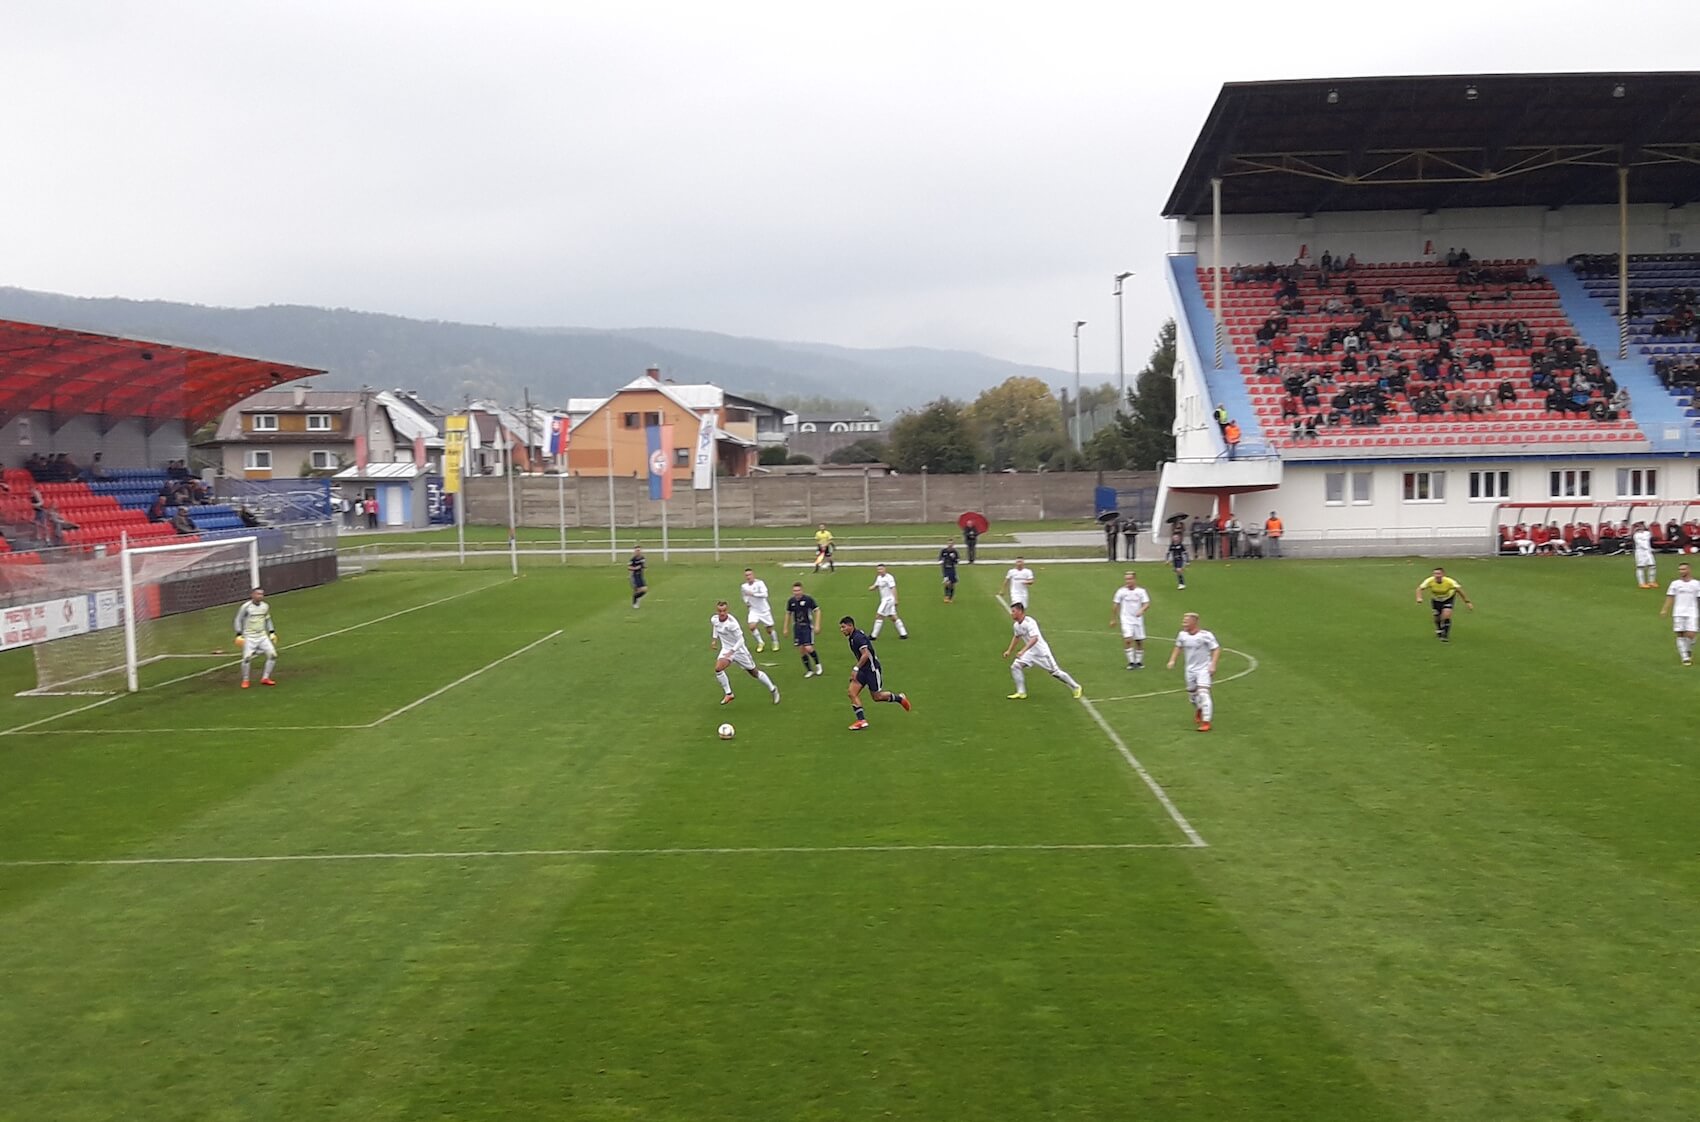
column 1112, row 524
column 973, row 524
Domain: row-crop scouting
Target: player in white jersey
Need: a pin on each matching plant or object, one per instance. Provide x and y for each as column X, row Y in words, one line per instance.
column 256, row 634
column 1131, row 603
column 1018, row 583
column 1646, row 569
column 1034, row 651
column 723, row 626
column 886, row 585
column 754, row 591
column 1682, row 604
column 1202, row 655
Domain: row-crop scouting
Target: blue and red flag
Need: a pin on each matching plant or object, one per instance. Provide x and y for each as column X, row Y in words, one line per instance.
column 559, row 435
column 660, row 439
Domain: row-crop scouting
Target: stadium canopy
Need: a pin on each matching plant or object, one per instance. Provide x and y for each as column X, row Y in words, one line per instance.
column 1436, row 143
column 68, row 373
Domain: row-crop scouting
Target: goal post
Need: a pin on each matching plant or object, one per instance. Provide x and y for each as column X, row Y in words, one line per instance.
column 132, row 559
column 111, row 616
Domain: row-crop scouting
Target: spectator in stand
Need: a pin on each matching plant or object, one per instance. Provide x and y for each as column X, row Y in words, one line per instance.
column 247, row 517
column 38, row 507
column 1620, row 400
column 1507, row 392
column 1231, row 433
column 181, row 522
column 156, row 512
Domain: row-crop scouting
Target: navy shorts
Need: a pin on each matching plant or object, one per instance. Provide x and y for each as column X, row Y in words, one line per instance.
column 869, row 676
column 637, row 580
column 950, row 576
column 802, row 634
column 1441, row 605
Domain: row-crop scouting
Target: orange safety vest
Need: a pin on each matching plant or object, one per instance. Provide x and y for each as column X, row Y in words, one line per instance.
column 1273, row 527
column 1232, row 432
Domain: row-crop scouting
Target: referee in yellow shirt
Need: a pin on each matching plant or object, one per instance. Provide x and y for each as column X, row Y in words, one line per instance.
column 823, row 550
column 1442, row 592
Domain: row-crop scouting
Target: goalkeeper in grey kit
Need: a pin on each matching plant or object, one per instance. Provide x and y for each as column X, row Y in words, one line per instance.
column 255, row 634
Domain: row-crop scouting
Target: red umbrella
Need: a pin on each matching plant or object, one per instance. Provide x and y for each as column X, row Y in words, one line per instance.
column 975, row 519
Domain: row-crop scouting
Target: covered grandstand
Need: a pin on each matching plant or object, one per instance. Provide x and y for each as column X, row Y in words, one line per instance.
column 1406, row 293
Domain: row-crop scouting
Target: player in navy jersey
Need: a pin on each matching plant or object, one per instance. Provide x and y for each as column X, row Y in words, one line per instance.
column 948, row 558
column 640, row 588
column 1177, row 558
column 866, row 674
column 805, row 621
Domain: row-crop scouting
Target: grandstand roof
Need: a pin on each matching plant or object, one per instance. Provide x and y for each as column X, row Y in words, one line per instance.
column 67, row 373
column 1432, row 143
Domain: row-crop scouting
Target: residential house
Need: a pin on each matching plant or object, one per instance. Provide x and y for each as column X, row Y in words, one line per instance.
column 818, row 436
column 610, row 432
column 287, row 434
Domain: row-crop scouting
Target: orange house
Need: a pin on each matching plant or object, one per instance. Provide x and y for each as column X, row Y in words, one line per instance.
column 613, row 433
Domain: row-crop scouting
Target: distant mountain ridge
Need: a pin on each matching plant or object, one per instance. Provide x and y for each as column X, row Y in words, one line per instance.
column 447, row 362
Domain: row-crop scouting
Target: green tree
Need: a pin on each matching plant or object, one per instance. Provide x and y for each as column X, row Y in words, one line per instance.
column 937, row 438
column 1141, row 438
column 772, row 455
column 865, row 451
column 799, row 460
column 1016, row 422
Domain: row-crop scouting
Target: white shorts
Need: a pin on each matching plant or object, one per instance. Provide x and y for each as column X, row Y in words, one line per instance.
column 1021, row 596
column 739, row 656
column 1134, row 630
column 261, row 646
column 1039, row 656
column 888, row 607
column 1197, row 680
column 1644, row 560
column 1685, row 621
column 764, row 617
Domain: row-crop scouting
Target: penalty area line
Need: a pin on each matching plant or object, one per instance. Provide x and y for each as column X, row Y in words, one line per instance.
column 1194, row 838
column 653, row 851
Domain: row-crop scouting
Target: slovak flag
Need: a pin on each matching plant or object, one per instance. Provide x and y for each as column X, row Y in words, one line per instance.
column 660, row 442
column 559, row 434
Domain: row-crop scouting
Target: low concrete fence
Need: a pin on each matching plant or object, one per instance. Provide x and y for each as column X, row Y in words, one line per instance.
column 546, row 500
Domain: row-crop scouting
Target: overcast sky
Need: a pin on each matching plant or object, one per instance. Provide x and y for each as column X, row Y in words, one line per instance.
column 872, row 174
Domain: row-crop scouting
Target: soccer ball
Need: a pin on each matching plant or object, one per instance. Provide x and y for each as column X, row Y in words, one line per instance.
column 727, row 732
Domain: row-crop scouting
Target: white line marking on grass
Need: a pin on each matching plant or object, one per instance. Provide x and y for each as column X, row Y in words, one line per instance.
column 15, row 729
column 658, row 851
column 463, row 679
column 1251, row 668
column 1155, row 788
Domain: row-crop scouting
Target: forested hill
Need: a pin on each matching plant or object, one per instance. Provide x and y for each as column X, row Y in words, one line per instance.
column 446, row 362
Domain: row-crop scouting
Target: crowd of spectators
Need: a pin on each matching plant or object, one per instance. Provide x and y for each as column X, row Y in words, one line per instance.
column 1612, row 538
column 1368, row 376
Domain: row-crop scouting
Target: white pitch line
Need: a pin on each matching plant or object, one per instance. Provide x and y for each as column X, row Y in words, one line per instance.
column 463, row 679
column 1155, row 787
column 14, row 730
column 657, row 851
column 1182, row 689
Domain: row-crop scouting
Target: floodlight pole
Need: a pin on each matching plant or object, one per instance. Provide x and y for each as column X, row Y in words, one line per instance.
column 1121, row 358
column 1078, row 324
column 1623, row 262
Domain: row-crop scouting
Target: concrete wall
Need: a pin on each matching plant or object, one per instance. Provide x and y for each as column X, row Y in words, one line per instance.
column 801, row 500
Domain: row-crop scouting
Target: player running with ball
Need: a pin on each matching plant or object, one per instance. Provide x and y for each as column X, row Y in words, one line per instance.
column 256, row 635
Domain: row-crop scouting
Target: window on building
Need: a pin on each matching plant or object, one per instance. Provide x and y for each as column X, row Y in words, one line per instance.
column 1334, row 488
column 1490, row 485
column 1570, row 484
column 318, row 422
column 321, row 460
column 839, row 426
column 806, row 426
column 630, row 421
column 1425, row 486
column 265, row 422
column 681, row 457
column 257, row 459
column 1637, row 483
column 652, row 419
column 1361, row 487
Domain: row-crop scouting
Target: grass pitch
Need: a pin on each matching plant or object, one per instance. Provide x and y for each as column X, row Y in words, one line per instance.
column 458, row 865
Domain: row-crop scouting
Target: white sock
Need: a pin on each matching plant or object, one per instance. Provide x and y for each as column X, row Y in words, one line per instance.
column 1204, row 706
column 725, row 686
column 245, row 664
column 761, row 676
column 1138, row 657
column 1192, row 698
column 1684, row 646
column 271, row 661
column 1062, row 676
column 1020, row 679
column 902, row 632
column 879, row 621
column 1129, row 653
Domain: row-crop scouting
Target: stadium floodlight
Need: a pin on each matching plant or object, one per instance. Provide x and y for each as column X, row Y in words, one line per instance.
column 1121, row 357
column 116, row 611
column 1078, row 324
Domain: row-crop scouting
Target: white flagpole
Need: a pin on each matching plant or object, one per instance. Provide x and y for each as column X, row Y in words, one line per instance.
column 561, row 504
column 608, row 417
column 508, row 470
column 664, row 555
column 460, row 505
column 715, row 492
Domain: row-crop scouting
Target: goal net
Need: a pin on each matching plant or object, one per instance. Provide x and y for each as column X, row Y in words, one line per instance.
column 104, row 618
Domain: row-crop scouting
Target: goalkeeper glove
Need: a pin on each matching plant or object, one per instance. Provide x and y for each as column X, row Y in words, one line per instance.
column 240, row 640
column 274, row 636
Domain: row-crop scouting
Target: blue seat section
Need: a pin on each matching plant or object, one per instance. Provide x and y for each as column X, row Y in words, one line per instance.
column 1669, row 418
column 1227, row 385
column 207, row 518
